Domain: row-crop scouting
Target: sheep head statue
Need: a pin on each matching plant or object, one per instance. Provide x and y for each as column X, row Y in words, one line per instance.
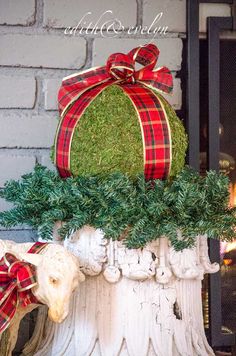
column 58, row 275
column 54, row 276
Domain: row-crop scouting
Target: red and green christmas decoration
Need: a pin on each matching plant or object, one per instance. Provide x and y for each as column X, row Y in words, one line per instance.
column 115, row 119
column 120, row 152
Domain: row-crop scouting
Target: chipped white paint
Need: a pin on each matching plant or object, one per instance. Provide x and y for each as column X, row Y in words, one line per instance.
column 133, row 302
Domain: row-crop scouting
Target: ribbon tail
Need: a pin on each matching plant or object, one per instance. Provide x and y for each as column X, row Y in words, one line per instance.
column 8, row 309
column 75, row 84
column 155, row 131
column 7, row 292
column 66, row 127
column 160, row 80
column 37, row 247
column 163, row 101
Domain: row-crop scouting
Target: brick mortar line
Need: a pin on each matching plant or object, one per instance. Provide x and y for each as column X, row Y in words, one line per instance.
column 67, row 71
column 39, row 13
column 139, row 19
column 89, row 52
column 21, row 151
column 28, row 112
column 25, row 148
column 36, row 93
column 27, row 31
column 38, row 110
column 38, row 68
column 23, row 229
column 40, row 95
column 84, row 66
column 50, row 73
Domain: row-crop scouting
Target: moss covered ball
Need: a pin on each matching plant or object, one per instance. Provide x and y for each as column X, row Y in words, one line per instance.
column 108, row 137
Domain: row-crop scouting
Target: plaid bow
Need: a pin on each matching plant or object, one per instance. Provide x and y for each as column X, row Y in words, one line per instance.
column 79, row 90
column 17, row 278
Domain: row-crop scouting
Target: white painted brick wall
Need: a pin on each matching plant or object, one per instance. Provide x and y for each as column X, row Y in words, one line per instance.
column 63, row 13
column 46, row 161
column 18, row 236
column 17, row 12
column 51, row 87
column 50, row 51
column 4, row 205
column 12, row 167
column 17, row 92
column 175, row 99
column 174, row 14
column 22, row 130
column 170, row 50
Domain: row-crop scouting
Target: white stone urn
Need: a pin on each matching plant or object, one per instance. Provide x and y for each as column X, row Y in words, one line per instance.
column 141, row 302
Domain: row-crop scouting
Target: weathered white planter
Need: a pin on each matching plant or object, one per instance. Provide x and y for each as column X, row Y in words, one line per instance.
column 133, row 302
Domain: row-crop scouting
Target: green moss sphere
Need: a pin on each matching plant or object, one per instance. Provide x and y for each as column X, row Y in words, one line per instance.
column 108, row 137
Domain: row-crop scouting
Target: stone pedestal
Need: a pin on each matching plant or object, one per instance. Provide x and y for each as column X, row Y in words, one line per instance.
column 133, row 302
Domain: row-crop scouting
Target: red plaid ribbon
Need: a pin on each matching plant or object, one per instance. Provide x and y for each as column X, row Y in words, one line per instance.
column 17, row 278
column 79, row 90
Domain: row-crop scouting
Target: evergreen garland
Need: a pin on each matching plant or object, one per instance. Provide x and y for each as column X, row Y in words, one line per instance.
column 123, row 207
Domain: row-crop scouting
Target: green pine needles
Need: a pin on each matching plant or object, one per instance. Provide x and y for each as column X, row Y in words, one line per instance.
column 123, row 207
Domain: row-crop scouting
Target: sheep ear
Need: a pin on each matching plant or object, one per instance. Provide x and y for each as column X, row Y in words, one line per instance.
column 32, row 258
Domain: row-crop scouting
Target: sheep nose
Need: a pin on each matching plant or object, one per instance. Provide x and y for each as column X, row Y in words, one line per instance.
column 55, row 315
column 58, row 312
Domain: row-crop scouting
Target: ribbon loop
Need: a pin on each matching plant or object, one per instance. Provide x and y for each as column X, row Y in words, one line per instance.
column 17, row 278
column 20, row 271
column 120, row 66
column 145, row 55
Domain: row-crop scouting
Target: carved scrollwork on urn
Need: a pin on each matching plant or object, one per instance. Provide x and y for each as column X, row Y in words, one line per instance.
column 158, row 260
